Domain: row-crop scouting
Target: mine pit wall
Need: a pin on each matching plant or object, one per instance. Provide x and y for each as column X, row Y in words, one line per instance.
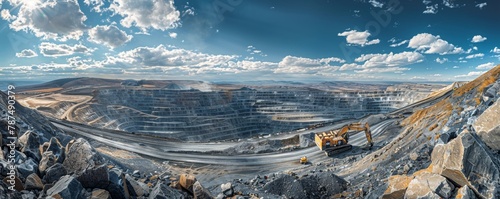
column 201, row 116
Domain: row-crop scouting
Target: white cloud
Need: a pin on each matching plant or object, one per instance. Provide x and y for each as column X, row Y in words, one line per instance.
column 399, row 44
column 481, row 5
column 436, row 75
column 376, row 3
column 58, row 50
column 5, row 14
column 456, row 67
column 97, row 4
column 495, row 50
column 291, row 64
column 110, row 36
column 378, row 63
column 441, row 61
column 486, row 66
column 471, row 74
column 172, row 35
column 431, row 9
column 474, row 56
column 431, row 44
column 254, row 51
column 160, row 14
column 478, row 38
column 450, row 4
column 27, row 53
column 60, row 20
column 358, row 38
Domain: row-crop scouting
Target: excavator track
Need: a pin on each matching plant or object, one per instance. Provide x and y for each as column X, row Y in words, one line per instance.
column 337, row 149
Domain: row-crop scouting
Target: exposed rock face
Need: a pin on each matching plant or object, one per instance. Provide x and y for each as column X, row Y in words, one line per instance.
column 467, row 162
column 81, row 156
column 68, row 188
column 200, row 192
column 487, row 126
column 429, row 185
column 397, row 187
column 57, row 149
column 97, row 177
column 306, row 140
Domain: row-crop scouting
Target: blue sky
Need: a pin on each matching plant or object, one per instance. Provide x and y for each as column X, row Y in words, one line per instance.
column 247, row 40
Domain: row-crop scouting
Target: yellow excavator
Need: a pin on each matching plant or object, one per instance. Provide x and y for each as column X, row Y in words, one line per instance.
column 337, row 141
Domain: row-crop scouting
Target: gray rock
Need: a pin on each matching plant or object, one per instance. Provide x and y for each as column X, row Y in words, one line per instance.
column 487, row 126
column 135, row 189
column 53, row 173
column 227, row 189
column 414, row 156
column 429, row 185
column 115, row 187
column 397, row 186
column 466, row 161
column 57, row 149
column 201, row 192
column 97, row 177
column 27, row 168
column 68, row 188
column 30, row 141
column 465, row 193
column 81, row 156
column 100, row 194
column 162, row 191
column 33, row 182
column 48, row 159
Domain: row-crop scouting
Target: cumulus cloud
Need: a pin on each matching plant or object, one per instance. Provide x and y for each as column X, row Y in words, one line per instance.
column 430, row 44
column 478, row 38
column 433, row 9
column 110, row 36
column 474, row 56
column 471, row 74
column 384, row 62
column 481, row 5
column 58, row 50
column 60, row 20
column 450, row 4
column 292, row 64
column 5, row 14
column 486, row 66
column 159, row 14
column 441, row 61
column 495, row 50
column 358, row 38
column 27, row 53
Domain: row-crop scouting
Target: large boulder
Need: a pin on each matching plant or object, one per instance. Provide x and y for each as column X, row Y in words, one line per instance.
column 466, row 161
column 53, row 173
column 397, row 186
column 100, row 194
column 429, row 185
column 487, row 126
column 97, row 177
column 186, row 181
column 29, row 142
column 81, row 156
column 135, row 189
column 201, row 192
column 68, row 188
column 27, row 167
column 33, row 182
column 56, row 147
column 115, row 186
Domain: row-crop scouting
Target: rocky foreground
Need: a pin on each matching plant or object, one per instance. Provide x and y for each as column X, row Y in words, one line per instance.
column 448, row 150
